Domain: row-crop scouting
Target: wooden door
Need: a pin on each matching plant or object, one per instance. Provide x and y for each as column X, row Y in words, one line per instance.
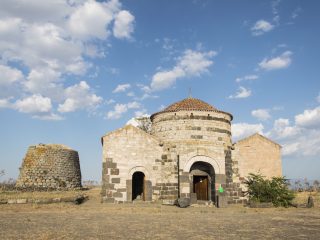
column 201, row 187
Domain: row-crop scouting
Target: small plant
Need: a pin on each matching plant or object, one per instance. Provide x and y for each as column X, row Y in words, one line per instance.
column 273, row 190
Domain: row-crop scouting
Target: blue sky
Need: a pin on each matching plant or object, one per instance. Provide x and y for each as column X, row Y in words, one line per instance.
column 71, row 71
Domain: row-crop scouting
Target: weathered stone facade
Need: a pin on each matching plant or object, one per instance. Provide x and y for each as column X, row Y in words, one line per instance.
column 188, row 154
column 258, row 154
column 50, row 166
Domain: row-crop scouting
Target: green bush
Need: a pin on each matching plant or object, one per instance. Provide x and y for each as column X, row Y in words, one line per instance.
column 273, row 190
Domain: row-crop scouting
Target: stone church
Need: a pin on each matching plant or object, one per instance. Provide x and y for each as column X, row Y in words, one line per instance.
column 187, row 154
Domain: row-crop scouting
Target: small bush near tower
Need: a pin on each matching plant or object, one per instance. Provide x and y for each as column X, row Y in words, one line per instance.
column 274, row 190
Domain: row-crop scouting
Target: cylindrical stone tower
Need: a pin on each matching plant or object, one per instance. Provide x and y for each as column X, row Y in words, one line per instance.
column 192, row 119
column 50, row 166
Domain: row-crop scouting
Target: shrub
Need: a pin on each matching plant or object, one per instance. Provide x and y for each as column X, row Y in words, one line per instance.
column 273, row 190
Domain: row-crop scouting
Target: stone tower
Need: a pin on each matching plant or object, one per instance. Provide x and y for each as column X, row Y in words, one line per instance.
column 50, row 166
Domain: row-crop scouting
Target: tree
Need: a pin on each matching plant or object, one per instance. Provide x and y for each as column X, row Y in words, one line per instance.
column 273, row 190
column 2, row 173
column 144, row 123
column 316, row 185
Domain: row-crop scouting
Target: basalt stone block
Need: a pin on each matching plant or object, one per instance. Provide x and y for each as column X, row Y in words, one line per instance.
column 115, row 180
column 183, row 202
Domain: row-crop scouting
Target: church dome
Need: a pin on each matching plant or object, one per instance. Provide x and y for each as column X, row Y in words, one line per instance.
column 189, row 104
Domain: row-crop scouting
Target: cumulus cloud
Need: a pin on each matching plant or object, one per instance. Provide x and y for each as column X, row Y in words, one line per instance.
column 241, row 93
column 79, row 96
column 120, row 109
column 301, row 138
column 34, row 104
column 247, row 77
column 261, row 27
column 282, row 61
column 121, row 88
column 123, row 24
column 91, row 20
column 190, row 64
column 51, row 40
column 9, row 75
column 5, row 103
column 310, row 118
column 261, row 114
column 283, row 130
column 242, row 130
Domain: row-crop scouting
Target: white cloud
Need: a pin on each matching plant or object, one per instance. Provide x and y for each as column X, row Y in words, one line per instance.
column 261, row 27
column 141, row 113
column 5, row 103
column 79, row 96
column 52, row 40
column 247, row 77
column 301, row 138
column 120, row 109
column 241, row 130
column 165, row 79
column 123, row 25
column 283, row 130
column 310, row 118
column 191, row 64
column 9, row 75
column 49, row 117
column 305, row 144
column 282, row 61
column 134, row 105
column 33, row 104
column 91, row 20
column 131, row 94
column 121, row 88
column 242, row 93
column 261, row 114
column 289, row 149
column 110, row 101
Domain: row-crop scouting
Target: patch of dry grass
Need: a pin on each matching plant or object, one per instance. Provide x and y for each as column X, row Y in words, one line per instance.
column 47, row 195
column 302, row 198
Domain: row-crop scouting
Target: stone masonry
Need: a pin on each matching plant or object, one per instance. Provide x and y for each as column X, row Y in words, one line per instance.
column 189, row 153
column 50, row 166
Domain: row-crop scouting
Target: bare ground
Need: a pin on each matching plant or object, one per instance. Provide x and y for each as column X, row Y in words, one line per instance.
column 93, row 220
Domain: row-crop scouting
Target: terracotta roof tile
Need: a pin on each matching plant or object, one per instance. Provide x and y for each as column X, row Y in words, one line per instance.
column 190, row 104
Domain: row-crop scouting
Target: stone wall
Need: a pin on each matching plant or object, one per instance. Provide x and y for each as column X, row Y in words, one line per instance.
column 257, row 154
column 50, row 167
column 126, row 151
column 195, row 125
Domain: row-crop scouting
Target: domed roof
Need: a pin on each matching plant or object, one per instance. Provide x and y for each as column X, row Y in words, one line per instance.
column 190, row 104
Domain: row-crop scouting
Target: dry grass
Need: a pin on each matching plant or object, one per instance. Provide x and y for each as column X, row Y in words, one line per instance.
column 302, row 198
column 48, row 195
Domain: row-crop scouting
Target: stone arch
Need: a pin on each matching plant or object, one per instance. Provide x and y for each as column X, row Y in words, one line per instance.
column 202, row 158
column 147, row 183
column 138, row 169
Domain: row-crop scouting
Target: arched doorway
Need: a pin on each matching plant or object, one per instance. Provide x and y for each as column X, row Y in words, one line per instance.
column 138, row 186
column 203, row 181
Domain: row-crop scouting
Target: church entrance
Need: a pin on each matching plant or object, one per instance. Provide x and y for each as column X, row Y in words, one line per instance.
column 200, row 186
column 138, row 187
column 203, row 181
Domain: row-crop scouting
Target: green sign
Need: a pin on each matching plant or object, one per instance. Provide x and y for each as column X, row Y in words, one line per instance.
column 221, row 189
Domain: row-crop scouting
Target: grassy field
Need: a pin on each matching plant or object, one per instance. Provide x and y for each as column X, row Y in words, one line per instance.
column 93, row 220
